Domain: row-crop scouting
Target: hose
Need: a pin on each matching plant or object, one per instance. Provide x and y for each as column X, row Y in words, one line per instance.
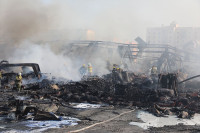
column 85, row 128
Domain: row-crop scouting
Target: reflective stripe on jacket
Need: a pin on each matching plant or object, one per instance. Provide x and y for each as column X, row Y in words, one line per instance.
column 19, row 78
column 90, row 69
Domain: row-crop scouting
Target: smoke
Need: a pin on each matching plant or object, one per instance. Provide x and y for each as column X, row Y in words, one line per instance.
column 122, row 20
column 55, row 64
column 22, row 19
column 127, row 19
column 32, row 20
column 62, row 65
column 98, row 56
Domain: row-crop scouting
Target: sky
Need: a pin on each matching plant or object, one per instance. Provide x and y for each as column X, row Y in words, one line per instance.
column 121, row 19
column 130, row 18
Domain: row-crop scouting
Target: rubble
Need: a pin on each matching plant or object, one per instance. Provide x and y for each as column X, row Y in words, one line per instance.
column 49, row 100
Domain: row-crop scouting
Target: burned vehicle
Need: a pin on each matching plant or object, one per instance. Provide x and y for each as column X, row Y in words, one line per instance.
column 29, row 71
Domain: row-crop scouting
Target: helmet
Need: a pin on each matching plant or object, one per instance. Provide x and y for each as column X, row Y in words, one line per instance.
column 89, row 64
column 84, row 65
column 154, row 67
column 19, row 74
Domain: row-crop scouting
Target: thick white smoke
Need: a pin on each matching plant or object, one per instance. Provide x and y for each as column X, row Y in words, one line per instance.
column 49, row 62
column 121, row 20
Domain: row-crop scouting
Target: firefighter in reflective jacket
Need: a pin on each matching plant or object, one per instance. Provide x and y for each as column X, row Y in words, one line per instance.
column 154, row 70
column 116, row 68
column 83, row 70
column 117, row 74
column 18, row 81
column 89, row 69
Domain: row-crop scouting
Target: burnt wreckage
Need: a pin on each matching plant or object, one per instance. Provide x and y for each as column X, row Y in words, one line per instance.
column 10, row 71
column 165, row 57
column 160, row 95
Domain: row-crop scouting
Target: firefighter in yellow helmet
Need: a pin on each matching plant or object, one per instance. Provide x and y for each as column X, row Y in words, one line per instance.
column 154, row 70
column 89, row 69
column 116, row 68
column 154, row 76
column 18, row 81
column 83, row 70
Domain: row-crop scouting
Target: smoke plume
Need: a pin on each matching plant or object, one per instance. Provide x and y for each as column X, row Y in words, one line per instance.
column 49, row 62
column 22, row 19
column 24, row 23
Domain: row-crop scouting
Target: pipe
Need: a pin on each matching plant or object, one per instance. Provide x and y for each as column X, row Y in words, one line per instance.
column 189, row 79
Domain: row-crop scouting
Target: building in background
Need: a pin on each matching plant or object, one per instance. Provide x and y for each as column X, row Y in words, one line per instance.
column 173, row 35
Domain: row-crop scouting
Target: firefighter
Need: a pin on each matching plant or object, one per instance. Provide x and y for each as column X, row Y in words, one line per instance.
column 89, row 69
column 83, row 70
column 114, row 73
column 154, row 70
column 18, row 81
column 154, row 76
column 114, row 67
column 117, row 74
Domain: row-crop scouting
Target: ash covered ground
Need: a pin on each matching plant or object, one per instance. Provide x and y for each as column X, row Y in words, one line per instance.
column 111, row 103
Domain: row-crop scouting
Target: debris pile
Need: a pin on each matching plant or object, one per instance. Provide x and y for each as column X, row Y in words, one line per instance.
column 46, row 98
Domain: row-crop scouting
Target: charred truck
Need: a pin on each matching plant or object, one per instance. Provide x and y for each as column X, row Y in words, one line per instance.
column 29, row 71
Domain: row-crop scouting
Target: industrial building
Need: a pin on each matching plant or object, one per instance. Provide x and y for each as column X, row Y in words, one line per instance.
column 173, row 35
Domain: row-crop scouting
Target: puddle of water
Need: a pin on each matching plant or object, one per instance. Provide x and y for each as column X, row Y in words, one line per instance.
column 39, row 126
column 2, row 127
column 150, row 120
column 85, row 105
column 16, row 131
column 22, row 97
column 10, row 116
column 2, row 118
column 53, row 124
